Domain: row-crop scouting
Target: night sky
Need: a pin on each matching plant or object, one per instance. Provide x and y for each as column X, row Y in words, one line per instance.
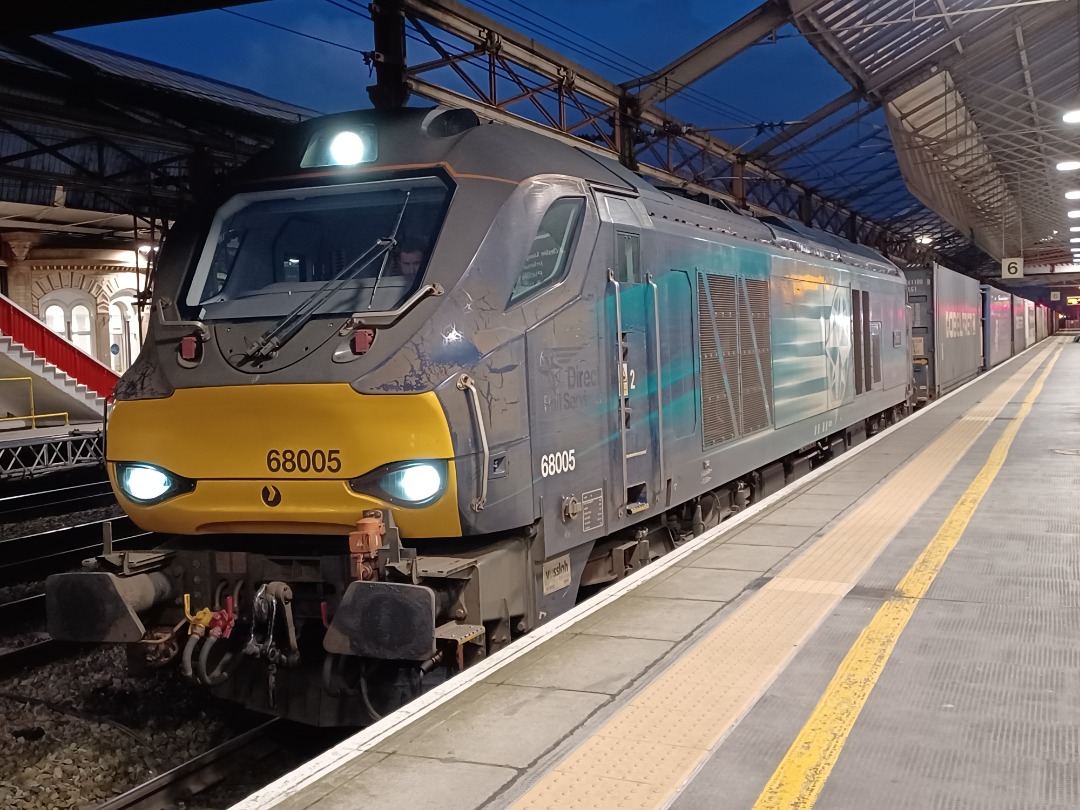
column 620, row 39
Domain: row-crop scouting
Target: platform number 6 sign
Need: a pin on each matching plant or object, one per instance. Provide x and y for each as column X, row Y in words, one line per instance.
column 1012, row 268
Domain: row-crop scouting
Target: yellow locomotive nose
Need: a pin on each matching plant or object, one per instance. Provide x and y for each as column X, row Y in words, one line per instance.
column 286, row 459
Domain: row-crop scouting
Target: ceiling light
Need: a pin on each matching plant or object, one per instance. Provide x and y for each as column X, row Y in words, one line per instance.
column 1071, row 117
column 1072, row 195
column 1074, row 214
column 924, row 239
column 1075, row 228
column 1068, row 165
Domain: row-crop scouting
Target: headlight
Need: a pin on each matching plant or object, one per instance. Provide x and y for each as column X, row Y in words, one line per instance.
column 341, row 147
column 147, row 484
column 405, row 483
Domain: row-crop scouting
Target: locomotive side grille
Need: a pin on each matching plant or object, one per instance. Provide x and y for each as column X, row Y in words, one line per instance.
column 755, row 355
column 719, row 342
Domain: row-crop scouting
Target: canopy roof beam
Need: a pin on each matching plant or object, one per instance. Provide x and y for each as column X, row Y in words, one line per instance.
column 709, row 55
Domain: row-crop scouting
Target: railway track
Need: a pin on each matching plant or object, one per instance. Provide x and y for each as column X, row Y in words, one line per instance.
column 260, row 754
column 36, row 654
column 30, row 612
column 34, row 556
column 37, row 504
column 201, row 773
column 23, row 611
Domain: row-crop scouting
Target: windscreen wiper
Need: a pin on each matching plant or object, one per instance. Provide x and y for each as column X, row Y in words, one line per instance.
column 386, row 256
column 285, row 329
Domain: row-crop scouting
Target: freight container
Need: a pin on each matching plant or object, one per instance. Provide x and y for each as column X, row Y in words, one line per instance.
column 997, row 326
column 946, row 329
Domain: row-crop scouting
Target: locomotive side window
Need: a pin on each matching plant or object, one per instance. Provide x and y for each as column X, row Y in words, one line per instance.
column 546, row 261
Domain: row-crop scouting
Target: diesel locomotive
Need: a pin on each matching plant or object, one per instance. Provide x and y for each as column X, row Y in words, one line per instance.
column 371, row 471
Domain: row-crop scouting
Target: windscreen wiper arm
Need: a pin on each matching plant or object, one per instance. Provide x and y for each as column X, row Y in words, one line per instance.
column 285, row 329
column 386, row 256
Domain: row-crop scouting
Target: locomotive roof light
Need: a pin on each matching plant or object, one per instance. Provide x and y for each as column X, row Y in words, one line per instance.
column 149, row 484
column 341, row 147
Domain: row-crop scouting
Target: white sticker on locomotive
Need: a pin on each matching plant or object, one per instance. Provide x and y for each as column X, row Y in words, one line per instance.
column 557, row 574
column 556, row 463
column 592, row 510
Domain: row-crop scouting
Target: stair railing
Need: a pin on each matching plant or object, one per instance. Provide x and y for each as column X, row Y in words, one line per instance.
column 25, row 329
column 33, row 416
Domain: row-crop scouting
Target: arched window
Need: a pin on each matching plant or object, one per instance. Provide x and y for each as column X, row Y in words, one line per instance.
column 82, row 334
column 56, row 319
column 123, row 331
column 70, row 314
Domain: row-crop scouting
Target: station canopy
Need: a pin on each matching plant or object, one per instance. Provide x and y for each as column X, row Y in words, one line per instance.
column 939, row 139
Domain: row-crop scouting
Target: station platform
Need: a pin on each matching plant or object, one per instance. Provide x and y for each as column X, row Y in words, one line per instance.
column 898, row 629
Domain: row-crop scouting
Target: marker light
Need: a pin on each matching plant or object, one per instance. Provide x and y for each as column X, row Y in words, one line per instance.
column 406, row 483
column 347, row 148
column 1071, row 117
column 1068, row 165
column 147, row 484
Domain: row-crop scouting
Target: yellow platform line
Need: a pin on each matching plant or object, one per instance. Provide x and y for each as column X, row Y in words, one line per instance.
column 650, row 747
column 801, row 775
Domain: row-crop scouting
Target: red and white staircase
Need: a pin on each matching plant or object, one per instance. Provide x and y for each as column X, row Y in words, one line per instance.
column 64, row 378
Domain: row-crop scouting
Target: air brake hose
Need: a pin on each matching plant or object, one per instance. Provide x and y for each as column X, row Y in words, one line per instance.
column 224, row 669
column 189, row 652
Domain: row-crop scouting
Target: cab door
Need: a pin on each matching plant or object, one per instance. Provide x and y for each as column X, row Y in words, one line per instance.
column 634, row 346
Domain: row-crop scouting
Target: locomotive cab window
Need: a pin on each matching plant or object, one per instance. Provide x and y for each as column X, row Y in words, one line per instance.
column 341, row 247
column 548, row 256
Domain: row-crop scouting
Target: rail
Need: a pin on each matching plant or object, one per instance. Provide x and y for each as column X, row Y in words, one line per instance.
column 33, row 416
column 25, row 329
column 204, row 771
